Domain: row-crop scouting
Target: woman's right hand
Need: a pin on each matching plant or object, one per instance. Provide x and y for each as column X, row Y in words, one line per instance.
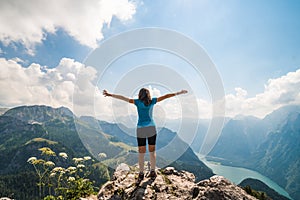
column 106, row 94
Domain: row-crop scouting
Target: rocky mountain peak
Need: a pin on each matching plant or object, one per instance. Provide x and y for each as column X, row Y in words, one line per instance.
column 169, row 184
column 38, row 113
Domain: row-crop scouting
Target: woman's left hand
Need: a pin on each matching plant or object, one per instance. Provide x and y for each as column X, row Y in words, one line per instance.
column 183, row 92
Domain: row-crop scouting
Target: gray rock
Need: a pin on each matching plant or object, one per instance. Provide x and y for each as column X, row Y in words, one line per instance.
column 122, row 167
column 170, row 184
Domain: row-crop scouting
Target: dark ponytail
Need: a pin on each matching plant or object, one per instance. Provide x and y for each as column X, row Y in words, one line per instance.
column 144, row 96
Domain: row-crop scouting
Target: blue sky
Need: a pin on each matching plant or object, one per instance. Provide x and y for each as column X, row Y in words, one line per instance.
column 254, row 44
column 245, row 39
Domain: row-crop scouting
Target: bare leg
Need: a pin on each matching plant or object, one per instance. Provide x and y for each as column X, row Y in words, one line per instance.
column 142, row 151
column 152, row 156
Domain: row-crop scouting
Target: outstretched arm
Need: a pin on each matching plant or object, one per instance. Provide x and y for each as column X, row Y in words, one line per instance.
column 117, row 96
column 171, row 95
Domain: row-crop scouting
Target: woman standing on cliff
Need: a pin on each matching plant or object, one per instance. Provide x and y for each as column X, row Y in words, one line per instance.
column 145, row 127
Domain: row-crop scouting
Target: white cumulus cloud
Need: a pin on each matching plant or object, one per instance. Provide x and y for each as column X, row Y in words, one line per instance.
column 278, row 92
column 29, row 21
column 38, row 84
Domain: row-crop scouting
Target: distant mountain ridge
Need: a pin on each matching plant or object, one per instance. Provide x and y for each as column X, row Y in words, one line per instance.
column 40, row 113
column 270, row 146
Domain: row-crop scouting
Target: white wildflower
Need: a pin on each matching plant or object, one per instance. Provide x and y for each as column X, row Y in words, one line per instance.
column 63, row 154
column 80, row 166
column 71, row 178
column 77, row 160
column 47, row 151
column 52, row 174
column 71, row 169
column 32, row 159
column 50, row 163
column 87, row 158
column 38, row 162
column 58, row 169
column 86, row 180
column 102, row 155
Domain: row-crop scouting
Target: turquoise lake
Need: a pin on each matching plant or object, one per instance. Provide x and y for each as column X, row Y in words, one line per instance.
column 237, row 174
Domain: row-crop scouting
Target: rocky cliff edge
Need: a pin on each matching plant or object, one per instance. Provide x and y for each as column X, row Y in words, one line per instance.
column 169, row 184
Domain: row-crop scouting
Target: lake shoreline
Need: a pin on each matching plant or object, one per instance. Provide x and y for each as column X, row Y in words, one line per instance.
column 237, row 174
